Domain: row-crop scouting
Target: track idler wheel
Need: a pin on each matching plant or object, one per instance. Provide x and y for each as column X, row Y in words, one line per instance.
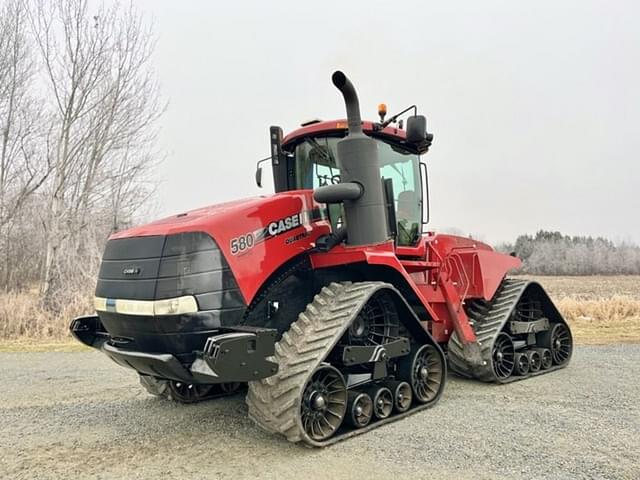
column 558, row 339
column 324, row 403
column 230, row 388
column 360, row 409
column 423, row 369
column 546, row 359
column 535, row 361
column 521, row 364
column 188, row 392
column 402, row 395
column 503, row 356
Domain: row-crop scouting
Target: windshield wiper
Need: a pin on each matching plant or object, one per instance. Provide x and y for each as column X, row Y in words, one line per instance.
column 326, row 153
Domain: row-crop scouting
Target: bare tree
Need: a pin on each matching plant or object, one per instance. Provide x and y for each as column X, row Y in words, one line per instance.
column 22, row 169
column 551, row 253
column 105, row 104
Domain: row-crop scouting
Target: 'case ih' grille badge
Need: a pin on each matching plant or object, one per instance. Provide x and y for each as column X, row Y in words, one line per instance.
column 131, row 271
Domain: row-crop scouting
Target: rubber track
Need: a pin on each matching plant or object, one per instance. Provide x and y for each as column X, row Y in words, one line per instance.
column 488, row 320
column 274, row 401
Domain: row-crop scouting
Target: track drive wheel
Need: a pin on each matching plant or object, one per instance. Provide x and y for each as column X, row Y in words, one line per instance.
column 324, row 403
column 423, row 369
column 559, row 341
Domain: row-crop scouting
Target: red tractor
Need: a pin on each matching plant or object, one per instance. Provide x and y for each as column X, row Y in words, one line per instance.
column 327, row 297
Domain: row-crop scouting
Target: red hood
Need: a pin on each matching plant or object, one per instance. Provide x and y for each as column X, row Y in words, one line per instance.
column 193, row 219
column 240, row 230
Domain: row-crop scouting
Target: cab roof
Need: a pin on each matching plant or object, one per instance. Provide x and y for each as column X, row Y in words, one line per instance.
column 391, row 133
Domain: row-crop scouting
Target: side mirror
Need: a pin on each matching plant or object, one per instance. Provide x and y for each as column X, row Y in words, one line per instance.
column 259, row 171
column 416, row 129
column 259, row 176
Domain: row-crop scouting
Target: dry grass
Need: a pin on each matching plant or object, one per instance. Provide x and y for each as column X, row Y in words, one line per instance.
column 23, row 320
column 599, row 310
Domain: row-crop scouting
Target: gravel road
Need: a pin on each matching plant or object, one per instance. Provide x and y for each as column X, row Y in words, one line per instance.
column 78, row 415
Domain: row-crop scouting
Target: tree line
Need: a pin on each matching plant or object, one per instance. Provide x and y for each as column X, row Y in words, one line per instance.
column 79, row 109
column 552, row 253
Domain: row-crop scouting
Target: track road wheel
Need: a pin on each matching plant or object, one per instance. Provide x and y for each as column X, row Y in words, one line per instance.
column 546, row 360
column 521, row 364
column 423, row 370
column 402, row 395
column 324, row 403
column 503, row 356
column 360, row 409
column 558, row 339
column 382, row 402
column 535, row 360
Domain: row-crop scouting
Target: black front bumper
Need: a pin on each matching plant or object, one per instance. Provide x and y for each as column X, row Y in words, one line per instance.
column 229, row 355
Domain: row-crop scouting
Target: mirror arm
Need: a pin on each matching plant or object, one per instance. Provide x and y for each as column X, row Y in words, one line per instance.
column 391, row 120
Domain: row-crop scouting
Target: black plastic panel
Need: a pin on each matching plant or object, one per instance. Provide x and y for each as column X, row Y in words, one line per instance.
column 224, row 299
column 176, row 334
column 189, row 242
column 115, row 269
column 127, row 289
column 157, row 268
column 197, row 262
column 184, row 264
column 134, row 248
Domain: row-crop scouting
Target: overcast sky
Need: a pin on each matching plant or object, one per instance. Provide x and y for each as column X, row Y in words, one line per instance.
column 535, row 106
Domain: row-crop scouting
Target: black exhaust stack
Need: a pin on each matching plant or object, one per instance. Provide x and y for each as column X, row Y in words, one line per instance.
column 360, row 188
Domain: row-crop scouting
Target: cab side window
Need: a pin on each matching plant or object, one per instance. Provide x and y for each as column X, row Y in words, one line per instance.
column 402, row 169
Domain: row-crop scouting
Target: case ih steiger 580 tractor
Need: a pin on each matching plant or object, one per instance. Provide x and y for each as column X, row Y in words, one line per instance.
column 327, row 298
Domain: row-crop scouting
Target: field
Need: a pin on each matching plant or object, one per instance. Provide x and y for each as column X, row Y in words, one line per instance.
column 600, row 310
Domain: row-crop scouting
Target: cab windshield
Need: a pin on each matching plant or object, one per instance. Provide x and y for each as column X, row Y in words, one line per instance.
column 315, row 166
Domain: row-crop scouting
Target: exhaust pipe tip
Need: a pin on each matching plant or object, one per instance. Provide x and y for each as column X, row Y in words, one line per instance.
column 350, row 96
column 339, row 79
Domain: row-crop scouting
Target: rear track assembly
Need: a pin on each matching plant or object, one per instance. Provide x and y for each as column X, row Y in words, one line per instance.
column 521, row 334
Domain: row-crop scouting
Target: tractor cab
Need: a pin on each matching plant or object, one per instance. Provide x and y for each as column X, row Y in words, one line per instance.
column 306, row 159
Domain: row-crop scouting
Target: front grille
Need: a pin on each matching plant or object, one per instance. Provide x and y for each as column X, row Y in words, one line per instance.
column 163, row 267
column 160, row 267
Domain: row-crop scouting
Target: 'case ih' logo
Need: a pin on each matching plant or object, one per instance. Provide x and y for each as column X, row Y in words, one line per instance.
column 249, row 240
column 131, row 271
